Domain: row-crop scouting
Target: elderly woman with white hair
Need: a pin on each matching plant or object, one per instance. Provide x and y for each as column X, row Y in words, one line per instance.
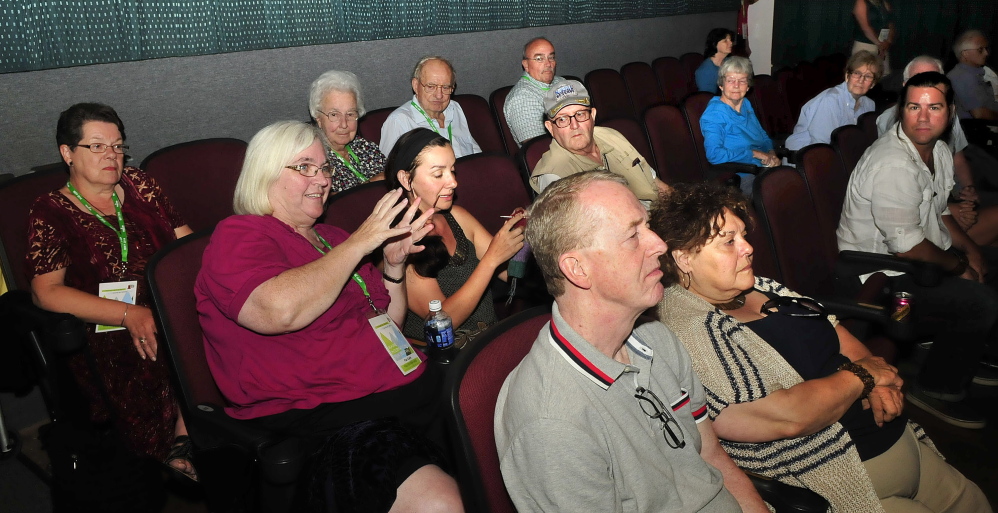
column 336, row 103
column 301, row 330
column 731, row 130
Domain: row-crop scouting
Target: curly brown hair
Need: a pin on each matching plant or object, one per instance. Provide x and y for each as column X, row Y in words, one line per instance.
column 690, row 215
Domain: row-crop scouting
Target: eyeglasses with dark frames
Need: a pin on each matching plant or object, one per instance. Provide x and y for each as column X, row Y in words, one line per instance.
column 808, row 307
column 654, row 408
column 581, row 117
column 101, row 147
column 309, row 170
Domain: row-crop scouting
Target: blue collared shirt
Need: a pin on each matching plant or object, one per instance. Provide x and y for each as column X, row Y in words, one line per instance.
column 730, row 136
column 832, row 108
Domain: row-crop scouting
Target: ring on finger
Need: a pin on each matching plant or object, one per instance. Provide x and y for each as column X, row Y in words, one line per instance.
column 142, row 340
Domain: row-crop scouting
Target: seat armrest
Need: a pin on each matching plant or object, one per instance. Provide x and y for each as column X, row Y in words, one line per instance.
column 843, row 309
column 786, row 498
column 62, row 333
column 860, row 262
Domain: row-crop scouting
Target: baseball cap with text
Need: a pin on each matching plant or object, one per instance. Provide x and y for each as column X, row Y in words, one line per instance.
column 569, row 92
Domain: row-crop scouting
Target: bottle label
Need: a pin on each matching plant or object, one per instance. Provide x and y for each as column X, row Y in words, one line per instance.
column 439, row 338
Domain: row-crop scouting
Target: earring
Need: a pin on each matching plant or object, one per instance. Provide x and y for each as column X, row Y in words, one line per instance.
column 686, row 279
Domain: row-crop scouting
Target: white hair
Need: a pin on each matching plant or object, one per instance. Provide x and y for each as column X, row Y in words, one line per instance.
column 334, row 80
column 921, row 59
column 964, row 42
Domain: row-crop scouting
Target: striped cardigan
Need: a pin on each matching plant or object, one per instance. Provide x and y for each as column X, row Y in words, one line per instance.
column 735, row 365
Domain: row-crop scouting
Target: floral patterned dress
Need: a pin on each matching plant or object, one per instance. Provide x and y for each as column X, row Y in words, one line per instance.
column 61, row 236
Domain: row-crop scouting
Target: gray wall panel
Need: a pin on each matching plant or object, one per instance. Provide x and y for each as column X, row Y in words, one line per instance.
column 167, row 101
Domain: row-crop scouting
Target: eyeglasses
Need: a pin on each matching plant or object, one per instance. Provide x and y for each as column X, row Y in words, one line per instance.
column 541, row 58
column 981, row 49
column 432, row 88
column 653, row 407
column 734, row 81
column 101, row 147
column 581, row 117
column 337, row 117
column 807, row 307
column 865, row 77
column 309, row 170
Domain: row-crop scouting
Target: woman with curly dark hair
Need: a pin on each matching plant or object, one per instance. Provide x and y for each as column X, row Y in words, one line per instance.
column 792, row 394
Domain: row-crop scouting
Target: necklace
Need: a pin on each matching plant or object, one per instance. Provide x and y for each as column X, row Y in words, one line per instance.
column 734, row 304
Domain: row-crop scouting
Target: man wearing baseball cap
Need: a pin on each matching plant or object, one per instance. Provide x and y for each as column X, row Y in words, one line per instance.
column 579, row 145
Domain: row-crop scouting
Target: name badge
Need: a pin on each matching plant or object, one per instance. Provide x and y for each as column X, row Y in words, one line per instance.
column 404, row 356
column 123, row 291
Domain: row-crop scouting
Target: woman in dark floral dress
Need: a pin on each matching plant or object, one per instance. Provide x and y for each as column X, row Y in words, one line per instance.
column 336, row 104
column 86, row 238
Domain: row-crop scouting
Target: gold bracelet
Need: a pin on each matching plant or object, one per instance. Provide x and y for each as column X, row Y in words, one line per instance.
column 122, row 323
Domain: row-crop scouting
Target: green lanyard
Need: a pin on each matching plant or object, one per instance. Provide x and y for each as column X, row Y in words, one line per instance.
column 119, row 231
column 433, row 126
column 538, row 83
column 349, row 163
column 356, row 277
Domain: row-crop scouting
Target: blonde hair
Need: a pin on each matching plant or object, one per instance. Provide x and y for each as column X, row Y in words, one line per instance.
column 269, row 151
column 559, row 223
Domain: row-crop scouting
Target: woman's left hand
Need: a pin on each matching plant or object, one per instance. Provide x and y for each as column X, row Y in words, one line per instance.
column 886, row 403
column 401, row 247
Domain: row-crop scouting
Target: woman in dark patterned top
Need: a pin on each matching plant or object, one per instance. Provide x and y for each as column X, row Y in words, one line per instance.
column 336, row 105
column 94, row 233
column 461, row 256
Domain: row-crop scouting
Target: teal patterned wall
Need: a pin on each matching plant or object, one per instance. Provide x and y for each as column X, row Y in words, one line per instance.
column 44, row 34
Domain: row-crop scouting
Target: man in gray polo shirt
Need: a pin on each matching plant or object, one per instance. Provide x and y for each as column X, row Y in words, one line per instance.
column 605, row 413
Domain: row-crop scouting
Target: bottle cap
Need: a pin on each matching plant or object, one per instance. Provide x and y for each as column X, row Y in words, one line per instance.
column 435, row 305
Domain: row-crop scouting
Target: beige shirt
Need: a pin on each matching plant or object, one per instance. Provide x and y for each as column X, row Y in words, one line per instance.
column 619, row 157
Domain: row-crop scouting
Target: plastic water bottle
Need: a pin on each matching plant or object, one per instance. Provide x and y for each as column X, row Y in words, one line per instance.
column 439, row 330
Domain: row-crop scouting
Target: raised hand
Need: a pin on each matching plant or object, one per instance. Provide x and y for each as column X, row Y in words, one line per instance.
column 506, row 242
column 377, row 228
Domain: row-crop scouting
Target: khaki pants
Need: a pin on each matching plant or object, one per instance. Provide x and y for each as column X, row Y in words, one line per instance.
column 911, row 478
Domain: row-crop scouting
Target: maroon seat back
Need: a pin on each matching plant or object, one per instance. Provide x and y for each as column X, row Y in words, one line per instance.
column 348, row 209
column 171, row 281
column 785, row 209
column 690, row 62
column 868, row 123
column 635, row 134
column 763, row 257
column 473, row 389
column 532, row 151
column 642, row 86
column 671, row 78
column 489, row 186
column 827, row 180
column 482, row 124
column 369, row 126
column 606, row 88
column 16, row 197
column 850, row 141
column 498, row 102
column 693, row 107
column 771, row 105
column 673, row 145
column 199, row 178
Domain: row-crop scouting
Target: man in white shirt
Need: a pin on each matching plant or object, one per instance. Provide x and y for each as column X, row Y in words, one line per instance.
column 433, row 83
column 896, row 204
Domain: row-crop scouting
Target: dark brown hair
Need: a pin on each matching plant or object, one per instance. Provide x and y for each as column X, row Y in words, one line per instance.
column 688, row 216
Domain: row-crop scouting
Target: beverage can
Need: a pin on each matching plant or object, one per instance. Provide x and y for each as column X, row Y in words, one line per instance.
column 901, row 310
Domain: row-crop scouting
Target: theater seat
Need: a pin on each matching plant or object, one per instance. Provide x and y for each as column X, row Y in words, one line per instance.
column 609, row 94
column 851, row 141
column 671, row 78
column 369, row 126
column 482, row 124
column 642, row 86
column 673, row 145
column 490, row 186
column 497, row 100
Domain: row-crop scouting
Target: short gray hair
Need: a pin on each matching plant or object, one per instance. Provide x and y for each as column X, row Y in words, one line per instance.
column 735, row 64
column 558, row 223
column 921, row 59
column 334, row 80
column 963, row 42
column 272, row 148
column 418, row 70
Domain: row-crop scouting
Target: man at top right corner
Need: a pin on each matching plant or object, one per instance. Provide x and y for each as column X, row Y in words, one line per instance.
column 975, row 98
column 896, row 204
